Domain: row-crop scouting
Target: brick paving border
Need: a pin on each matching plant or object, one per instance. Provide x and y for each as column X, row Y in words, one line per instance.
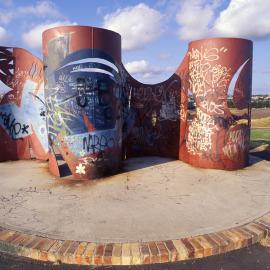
column 133, row 253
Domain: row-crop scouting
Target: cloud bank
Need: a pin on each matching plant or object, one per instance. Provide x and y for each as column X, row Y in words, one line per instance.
column 143, row 71
column 42, row 9
column 241, row 18
column 138, row 25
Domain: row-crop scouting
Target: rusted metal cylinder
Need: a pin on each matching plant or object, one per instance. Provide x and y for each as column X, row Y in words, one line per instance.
column 23, row 133
column 216, row 136
column 83, row 98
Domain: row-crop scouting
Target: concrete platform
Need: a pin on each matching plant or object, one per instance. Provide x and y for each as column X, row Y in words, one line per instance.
column 157, row 210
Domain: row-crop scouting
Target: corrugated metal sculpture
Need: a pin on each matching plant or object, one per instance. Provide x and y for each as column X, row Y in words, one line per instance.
column 213, row 136
column 22, row 110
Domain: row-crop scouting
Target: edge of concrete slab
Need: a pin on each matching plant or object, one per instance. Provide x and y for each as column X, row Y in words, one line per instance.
column 133, row 253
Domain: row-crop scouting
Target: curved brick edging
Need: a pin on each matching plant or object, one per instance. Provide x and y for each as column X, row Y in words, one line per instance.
column 87, row 253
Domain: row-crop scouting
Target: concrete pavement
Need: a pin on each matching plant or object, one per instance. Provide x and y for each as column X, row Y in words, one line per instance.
column 154, row 201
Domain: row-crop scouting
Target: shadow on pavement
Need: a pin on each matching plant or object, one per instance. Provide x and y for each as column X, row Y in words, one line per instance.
column 261, row 149
column 262, row 155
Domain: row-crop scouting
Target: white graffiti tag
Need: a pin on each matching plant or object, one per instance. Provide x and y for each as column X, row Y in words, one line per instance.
column 200, row 133
column 205, row 75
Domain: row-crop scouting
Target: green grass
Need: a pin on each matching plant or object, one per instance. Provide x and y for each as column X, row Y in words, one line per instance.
column 260, row 140
column 260, row 134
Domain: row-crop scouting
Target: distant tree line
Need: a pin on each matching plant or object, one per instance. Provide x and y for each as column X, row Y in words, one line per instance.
column 254, row 103
column 260, row 103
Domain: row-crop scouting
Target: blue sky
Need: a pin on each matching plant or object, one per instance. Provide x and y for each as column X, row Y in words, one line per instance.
column 155, row 34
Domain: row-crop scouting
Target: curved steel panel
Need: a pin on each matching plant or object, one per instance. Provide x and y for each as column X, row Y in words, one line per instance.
column 83, row 98
column 22, row 110
column 214, row 136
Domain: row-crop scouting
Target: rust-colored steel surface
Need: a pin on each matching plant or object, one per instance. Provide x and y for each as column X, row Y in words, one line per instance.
column 151, row 117
column 83, row 98
column 98, row 115
column 213, row 135
column 23, row 132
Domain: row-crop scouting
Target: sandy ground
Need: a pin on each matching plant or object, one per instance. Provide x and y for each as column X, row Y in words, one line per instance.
column 260, row 113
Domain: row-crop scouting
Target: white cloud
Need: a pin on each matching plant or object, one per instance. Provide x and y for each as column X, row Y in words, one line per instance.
column 144, row 72
column 33, row 38
column 245, row 18
column 138, row 25
column 3, row 35
column 194, row 18
column 241, row 18
column 136, row 67
column 42, row 9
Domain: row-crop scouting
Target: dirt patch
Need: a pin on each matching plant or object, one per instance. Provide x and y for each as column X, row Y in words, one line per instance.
column 260, row 113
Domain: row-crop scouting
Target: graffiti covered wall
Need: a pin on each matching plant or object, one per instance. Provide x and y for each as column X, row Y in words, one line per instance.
column 151, row 113
column 22, row 110
column 213, row 136
column 98, row 115
column 83, row 99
